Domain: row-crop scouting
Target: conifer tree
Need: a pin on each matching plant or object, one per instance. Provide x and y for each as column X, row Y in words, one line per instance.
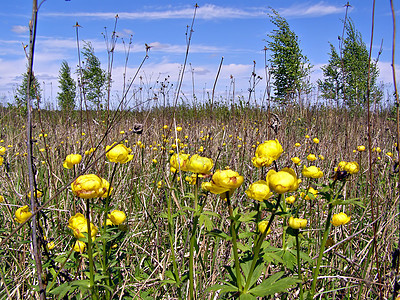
column 67, row 94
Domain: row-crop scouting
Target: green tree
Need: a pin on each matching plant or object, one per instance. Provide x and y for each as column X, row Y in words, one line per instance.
column 67, row 94
column 346, row 78
column 289, row 67
column 34, row 93
column 93, row 76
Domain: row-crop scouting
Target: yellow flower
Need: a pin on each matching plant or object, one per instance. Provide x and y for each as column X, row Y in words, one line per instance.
column 316, row 140
column 311, row 157
column 38, row 194
column 297, row 145
column 2, row 150
column 321, row 157
column 390, row 154
column 178, row 128
column 22, row 214
column 312, row 172
column 179, row 161
column 351, row 167
column 283, row 181
column 228, row 179
column 71, row 160
column 213, row 188
column 259, row 191
column 263, row 225
column 340, row 219
column 361, row 148
column 1, row 160
column 312, row 191
column 76, row 221
column 2, row 198
column 79, row 246
column 165, row 126
column 307, row 136
column 267, row 153
column 119, row 154
column 50, row 245
column 192, row 178
column 296, row 160
column 106, row 187
column 117, row 217
column 88, row 186
column 297, row 223
column 199, row 164
column 379, row 150
column 290, row 199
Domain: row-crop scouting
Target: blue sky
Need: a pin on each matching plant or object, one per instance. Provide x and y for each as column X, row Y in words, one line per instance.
column 235, row 30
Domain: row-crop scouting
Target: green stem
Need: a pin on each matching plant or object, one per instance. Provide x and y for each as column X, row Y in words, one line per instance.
column 234, row 244
column 90, row 254
column 257, row 248
column 192, row 241
column 171, row 236
column 299, row 265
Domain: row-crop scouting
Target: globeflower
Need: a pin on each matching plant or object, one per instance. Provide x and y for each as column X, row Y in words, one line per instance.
column 297, row 145
column 79, row 246
column 340, row 219
column 311, row 157
column 312, row 191
column 296, row 160
column 351, row 167
column 267, row 153
column 361, row 148
column 78, row 224
column 88, row 186
column 259, row 191
column 22, row 214
column 2, row 150
column 223, row 181
column 316, row 140
column 312, row 172
column 283, row 181
column 179, row 161
column 290, row 199
column 263, row 225
column 117, row 217
column 119, row 153
column 297, row 223
column 71, row 160
column 200, row 164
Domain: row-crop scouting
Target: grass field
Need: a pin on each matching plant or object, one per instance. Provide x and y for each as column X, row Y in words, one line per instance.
column 180, row 241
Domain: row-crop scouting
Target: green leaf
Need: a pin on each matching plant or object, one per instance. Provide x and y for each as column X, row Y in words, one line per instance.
column 247, row 297
column 273, row 285
column 220, row 234
column 248, row 217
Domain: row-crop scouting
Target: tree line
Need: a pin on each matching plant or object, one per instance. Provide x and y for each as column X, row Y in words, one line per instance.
column 345, row 76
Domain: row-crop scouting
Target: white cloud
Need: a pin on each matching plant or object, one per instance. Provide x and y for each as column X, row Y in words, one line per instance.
column 386, row 73
column 316, row 10
column 20, row 29
column 207, row 11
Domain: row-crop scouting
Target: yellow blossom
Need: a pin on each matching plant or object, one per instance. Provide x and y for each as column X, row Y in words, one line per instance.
column 179, row 161
column 361, row 148
column 296, row 160
column 312, row 172
column 290, row 199
column 71, row 160
column 259, row 191
column 117, row 217
column 283, row 181
column 266, row 153
column 297, row 223
column 297, row 145
column 316, row 140
column 119, row 154
column 311, row 191
column 79, row 246
column 88, row 186
column 2, row 150
column 311, row 157
column 200, row 164
column 263, row 225
column 22, row 214
column 340, row 219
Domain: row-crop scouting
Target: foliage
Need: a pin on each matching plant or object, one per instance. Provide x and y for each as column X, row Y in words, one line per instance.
column 289, row 67
column 346, row 75
column 67, row 94
column 21, row 91
column 93, row 79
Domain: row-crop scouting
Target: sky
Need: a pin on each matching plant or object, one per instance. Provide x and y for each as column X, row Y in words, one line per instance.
column 234, row 30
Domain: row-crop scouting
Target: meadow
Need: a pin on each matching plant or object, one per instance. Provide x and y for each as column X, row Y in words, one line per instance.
column 201, row 202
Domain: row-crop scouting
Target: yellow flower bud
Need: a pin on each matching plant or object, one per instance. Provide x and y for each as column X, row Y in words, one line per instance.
column 117, row 217
column 200, row 164
column 71, row 160
column 290, row 199
column 311, row 157
column 79, row 246
column 259, row 191
column 263, row 225
column 119, row 154
column 312, row 172
column 267, row 153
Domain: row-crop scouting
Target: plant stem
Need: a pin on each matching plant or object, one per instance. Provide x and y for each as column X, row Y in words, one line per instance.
column 234, row 244
column 90, row 254
column 299, row 265
column 193, row 240
column 257, row 248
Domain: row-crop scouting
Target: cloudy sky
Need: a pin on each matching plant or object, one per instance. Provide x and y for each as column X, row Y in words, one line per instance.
column 235, row 30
